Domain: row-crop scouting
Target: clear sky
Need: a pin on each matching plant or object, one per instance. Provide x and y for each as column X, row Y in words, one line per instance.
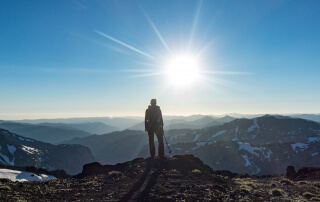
column 72, row 58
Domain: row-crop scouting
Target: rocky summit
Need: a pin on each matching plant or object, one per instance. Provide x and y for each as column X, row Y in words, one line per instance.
column 178, row 178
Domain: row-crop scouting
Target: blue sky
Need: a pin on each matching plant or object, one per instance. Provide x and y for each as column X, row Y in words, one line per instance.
column 54, row 61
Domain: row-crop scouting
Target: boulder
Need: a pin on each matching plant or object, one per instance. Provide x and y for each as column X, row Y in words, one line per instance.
column 308, row 173
column 94, row 168
column 291, row 172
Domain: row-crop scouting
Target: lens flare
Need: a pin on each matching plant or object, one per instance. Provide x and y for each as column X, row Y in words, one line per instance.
column 182, row 70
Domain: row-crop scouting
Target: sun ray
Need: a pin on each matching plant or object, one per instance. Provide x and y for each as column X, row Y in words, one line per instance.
column 138, row 70
column 216, row 81
column 205, row 48
column 215, row 84
column 117, row 49
column 124, row 44
column 194, row 25
column 218, row 84
column 148, row 64
column 227, row 72
column 146, row 75
column 158, row 34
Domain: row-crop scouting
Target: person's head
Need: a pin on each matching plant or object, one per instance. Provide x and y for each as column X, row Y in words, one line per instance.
column 153, row 102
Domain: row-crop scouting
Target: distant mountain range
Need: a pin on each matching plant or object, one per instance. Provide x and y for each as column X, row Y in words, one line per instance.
column 44, row 133
column 121, row 123
column 114, row 147
column 203, row 122
column 263, row 145
column 312, row 117
column 136, row 123
column 20, row 151
column 97, row 128
column 55, row 133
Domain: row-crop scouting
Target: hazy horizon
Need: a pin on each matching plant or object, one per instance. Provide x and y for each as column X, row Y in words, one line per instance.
column 142, row 116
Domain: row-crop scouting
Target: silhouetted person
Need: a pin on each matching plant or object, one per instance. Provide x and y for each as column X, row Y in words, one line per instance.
column 154, row 124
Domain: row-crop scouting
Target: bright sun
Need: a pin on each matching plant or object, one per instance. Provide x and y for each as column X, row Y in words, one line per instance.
column 182, row 70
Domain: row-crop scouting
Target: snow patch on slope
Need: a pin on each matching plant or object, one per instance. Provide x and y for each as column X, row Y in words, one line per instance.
column 5, row 158
column 254, row 126
column 313, row 139
column 30, row 150
column 197, row 137
column 236, row 135
column 176, row 136
column 201, row 144
column 5, row 132
column 21, row 176
column 301, row 146
column 11, row 149
column 218, row 133
column 248, row 163
column 254, row 150
column 25, row 139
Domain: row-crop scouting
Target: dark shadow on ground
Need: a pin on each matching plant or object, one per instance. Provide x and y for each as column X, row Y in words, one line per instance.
column 150, row 184
column 152, row 181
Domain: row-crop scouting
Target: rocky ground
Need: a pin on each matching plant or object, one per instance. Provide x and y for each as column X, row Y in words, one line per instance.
column 180, row 178
column 276, row 188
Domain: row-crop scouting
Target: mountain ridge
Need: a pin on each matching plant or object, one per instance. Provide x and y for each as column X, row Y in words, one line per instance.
column 255, row 144
column 20, row 151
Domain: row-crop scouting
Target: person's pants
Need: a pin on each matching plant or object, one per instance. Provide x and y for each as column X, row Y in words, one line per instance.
column 160, row 141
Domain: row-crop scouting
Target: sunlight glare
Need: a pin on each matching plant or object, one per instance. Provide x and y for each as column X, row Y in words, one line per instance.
column 182, row 70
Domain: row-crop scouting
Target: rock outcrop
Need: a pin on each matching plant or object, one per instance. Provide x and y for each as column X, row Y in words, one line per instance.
column 291, row 172
column 305, row 173
column 184, row 163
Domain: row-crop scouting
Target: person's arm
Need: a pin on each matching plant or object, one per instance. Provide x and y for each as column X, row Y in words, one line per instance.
column 146, row 121
column 161, row 121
